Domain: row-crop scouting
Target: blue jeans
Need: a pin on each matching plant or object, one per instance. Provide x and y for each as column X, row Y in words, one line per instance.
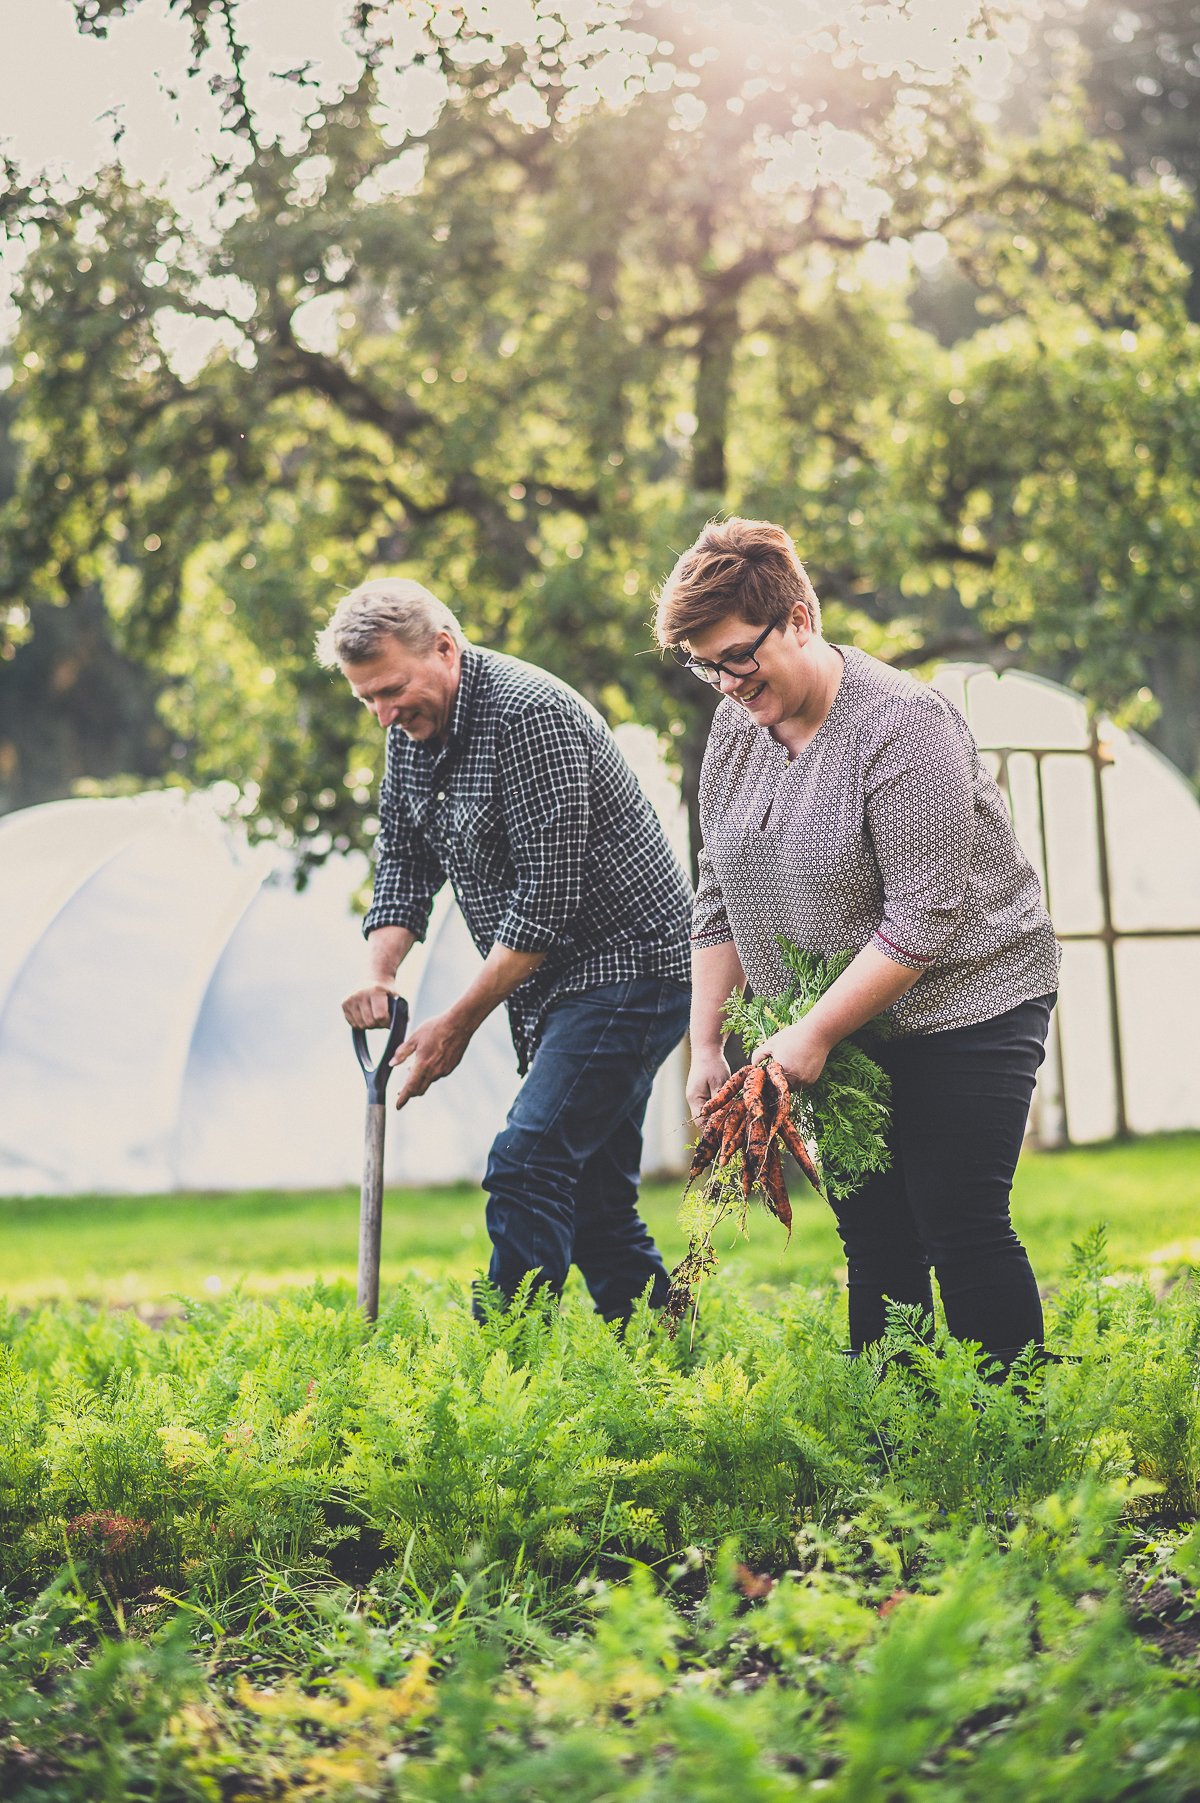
column 960, row 1104
column 562, row 1178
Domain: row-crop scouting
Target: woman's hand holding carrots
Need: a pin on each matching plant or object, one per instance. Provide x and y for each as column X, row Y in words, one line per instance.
column 801, row 1050
column 750, row 1116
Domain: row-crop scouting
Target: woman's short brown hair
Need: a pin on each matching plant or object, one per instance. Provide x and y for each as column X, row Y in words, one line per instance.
column 743, row 567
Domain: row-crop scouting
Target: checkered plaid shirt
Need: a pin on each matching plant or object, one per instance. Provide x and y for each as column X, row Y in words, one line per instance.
column 532, row 814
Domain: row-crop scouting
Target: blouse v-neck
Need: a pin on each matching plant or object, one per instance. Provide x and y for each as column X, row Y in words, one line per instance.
column 793, row 759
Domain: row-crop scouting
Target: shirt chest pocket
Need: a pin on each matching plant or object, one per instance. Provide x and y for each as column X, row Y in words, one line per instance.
column 474, row 836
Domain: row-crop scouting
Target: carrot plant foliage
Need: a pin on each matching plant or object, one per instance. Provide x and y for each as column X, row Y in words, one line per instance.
column 847, row 1109
column 266, row 1551
column 836, row 1130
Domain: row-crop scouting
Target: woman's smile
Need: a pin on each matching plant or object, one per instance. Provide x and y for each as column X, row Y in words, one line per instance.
column 751, row 695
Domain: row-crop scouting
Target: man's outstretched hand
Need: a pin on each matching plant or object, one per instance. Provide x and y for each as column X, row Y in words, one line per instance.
column 432, row 1051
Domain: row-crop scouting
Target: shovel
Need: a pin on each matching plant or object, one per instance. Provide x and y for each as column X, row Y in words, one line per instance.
column 370, row 1214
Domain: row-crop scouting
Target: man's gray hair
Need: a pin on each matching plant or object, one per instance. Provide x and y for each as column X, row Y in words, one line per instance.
column 391, row 607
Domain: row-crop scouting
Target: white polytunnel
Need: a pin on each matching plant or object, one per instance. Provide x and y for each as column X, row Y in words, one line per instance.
column 170, row 1020
column 169, row 1002
column 1113, row 830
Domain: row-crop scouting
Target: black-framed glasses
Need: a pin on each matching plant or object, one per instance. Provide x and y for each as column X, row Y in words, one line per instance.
column 745, row 664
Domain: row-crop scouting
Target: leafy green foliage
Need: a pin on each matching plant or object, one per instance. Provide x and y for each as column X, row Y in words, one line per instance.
column 846, row 1110
column 524, row 351
column 1141, row 83
column 530, row 1553
column 843, row 1119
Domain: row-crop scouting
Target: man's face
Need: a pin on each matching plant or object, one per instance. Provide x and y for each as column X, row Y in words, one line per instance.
column 413, row 690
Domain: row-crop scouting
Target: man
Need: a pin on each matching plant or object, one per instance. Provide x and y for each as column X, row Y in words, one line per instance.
column 505, row 782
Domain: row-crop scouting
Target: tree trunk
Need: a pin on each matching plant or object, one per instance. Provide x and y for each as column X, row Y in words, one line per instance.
column 714, row 377
column 73, row 707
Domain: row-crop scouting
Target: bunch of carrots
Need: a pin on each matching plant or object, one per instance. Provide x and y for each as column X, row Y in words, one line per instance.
column 751, row 1115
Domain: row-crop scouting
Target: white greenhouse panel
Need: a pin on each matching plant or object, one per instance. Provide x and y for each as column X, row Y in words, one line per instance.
column 47, row 852
column 1153, row 839
column 1015, row 709
column 1022, row 798
column 271, row 1088
column 169, row 1005
column 1086, row 1038
column 1069, row 794
column 96, row 1027
column 1158, row 981
column 170, row 1014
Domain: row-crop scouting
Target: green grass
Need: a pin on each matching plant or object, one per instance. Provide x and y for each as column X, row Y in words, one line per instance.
column 146, row 1249
column 263, row 1549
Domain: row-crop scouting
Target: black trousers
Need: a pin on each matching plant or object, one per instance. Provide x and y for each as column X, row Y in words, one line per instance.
column 960, row 1105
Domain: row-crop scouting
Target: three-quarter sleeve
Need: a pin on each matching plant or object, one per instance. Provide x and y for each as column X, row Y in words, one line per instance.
column 710, row 923
column 710, row 918
column 545, row 784
column 407, row 873
column 920, row 815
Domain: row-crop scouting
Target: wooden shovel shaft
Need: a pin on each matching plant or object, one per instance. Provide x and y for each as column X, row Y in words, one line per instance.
column 370, row 1215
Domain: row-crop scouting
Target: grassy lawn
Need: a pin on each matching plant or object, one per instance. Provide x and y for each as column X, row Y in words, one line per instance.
column 309, row 1560
column 146, row 1249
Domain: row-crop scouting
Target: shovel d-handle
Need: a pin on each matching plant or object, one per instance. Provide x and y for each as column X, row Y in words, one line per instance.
column 370, row 1214
column 377, row 1074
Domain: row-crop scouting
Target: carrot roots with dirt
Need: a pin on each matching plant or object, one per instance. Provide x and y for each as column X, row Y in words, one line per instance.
column 836, row 1131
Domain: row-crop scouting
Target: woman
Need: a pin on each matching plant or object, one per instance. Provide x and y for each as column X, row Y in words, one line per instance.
column 844, row 805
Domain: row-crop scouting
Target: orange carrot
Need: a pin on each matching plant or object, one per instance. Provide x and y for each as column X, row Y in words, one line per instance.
column 791, row 1136
column 757, row 1136
column 705, row 1149
column 735, row 1121
column 776, row 1187
column 777, row 1096
column 727, row 1090
column 752, row 1087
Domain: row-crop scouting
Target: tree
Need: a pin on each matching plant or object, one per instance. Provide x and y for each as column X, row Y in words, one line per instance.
column 75, row 709
column 526, row 349
column 1138, row 64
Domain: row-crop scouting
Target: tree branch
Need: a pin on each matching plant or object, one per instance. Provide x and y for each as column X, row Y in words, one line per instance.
column 948, row 551
column 954, row 644
column 301, row 369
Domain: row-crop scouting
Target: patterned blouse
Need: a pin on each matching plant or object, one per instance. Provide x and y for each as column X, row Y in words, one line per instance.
column 884, row 830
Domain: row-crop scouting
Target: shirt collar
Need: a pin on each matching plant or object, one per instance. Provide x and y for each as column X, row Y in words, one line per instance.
column 470, row 676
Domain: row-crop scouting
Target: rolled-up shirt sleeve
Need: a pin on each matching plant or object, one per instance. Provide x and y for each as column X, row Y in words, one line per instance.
column 407, row 872
column 546, row 781
column 920, row 814
column 710, row 923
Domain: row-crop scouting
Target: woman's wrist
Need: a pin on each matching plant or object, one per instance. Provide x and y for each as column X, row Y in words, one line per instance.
column 815, row 1032
column 800, row 1049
